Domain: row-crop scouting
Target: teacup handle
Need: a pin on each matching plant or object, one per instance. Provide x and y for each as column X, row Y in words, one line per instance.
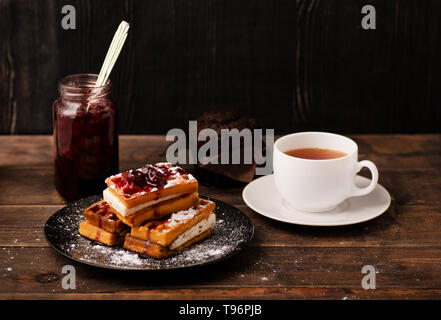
column 356, row 191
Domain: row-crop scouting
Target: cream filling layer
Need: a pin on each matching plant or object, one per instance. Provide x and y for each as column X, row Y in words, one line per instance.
column 117, row 204
column 194, row 231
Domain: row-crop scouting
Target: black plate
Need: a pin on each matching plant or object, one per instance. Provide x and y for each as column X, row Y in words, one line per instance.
column 233, row 229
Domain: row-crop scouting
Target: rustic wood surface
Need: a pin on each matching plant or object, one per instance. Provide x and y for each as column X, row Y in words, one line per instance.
column 293, row 65
column 281, row 262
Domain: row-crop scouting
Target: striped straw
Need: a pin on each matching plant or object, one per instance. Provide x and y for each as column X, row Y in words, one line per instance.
column 113, row 53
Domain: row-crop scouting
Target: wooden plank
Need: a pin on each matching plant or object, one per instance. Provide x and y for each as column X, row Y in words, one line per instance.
column 294, row 65
column 282, row 261
column 401, row 226
column 35, row 186
column 8, row 116
column 38, row 270
column 137, row 150
column 28, row 186
column 32, row 64
column 390, row 152
column 398, row 144
column 37, row 150
column 249, row 293
column 26, row 150
column 351, row 80
column 400, row 152
column 22, row 226
column 185, row 55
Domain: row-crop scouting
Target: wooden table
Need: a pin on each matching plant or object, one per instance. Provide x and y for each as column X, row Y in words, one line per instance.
column 281, row 262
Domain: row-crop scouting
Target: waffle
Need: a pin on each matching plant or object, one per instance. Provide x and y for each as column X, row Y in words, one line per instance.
column 159, row 210
column 163, row 237
column 93, row 232
column 150, row 192
column 159, row 202
column 103, row 225
column 101, row 215
column 151, row 183
column 155, row 250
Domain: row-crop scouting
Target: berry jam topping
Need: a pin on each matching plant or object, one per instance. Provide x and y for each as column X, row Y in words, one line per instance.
column 157, row 222
column 146, row 178
column 94, row 208
column 155, row 176
column 112, row 216
column 130, row 190
column 181, row 171
column 153, row 225
column 101, row 208
column 136, row 178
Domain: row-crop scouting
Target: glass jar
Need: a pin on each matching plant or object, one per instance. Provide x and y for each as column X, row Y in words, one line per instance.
column 85, row 136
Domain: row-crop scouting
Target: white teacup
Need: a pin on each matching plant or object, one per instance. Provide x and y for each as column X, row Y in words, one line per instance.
column 319, row 185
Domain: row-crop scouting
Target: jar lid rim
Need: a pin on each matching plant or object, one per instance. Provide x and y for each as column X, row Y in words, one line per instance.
column 82, row 81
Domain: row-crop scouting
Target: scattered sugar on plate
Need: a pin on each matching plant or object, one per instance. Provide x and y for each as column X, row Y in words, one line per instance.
column 126, row 257
column 229, row 233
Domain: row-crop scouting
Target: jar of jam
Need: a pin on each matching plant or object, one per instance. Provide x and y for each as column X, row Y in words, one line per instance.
column 85, row 136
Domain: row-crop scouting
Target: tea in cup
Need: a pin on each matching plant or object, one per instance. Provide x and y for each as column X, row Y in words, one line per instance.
column 315, row 171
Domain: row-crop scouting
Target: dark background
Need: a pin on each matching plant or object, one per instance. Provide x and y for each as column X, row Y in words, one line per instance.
column 293, row 65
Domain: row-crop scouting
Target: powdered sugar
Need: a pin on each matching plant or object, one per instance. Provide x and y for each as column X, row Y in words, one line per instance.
column 125, row 257
column 180, row 216
column 231, row 231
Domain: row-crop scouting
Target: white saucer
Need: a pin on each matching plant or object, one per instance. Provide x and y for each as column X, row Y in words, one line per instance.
column 261, row 195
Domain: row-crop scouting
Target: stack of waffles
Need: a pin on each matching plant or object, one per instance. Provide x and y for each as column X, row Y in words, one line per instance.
column 103, row 225
column 161, row 205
